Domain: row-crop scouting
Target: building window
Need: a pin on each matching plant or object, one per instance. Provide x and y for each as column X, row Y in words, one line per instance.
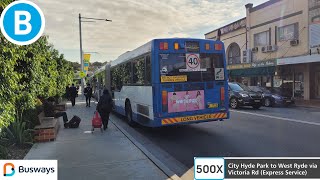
column 261, row 39
column 234, row 56
column 289, row 32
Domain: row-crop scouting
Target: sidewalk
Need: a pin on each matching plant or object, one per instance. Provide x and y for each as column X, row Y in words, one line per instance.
column 310, row 103
column 107, row 155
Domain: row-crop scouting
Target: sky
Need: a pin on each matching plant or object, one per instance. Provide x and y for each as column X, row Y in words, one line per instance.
column 134, row 23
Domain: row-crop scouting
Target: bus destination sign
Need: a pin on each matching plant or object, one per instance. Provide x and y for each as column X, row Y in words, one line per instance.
column 192, row 46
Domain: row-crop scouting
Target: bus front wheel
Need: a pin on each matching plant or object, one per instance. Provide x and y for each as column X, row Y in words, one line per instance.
column 129, row 115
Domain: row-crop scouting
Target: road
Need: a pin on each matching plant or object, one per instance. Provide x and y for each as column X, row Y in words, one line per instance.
column 293, row 131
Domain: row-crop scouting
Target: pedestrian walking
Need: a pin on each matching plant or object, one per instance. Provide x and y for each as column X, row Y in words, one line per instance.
column 68, row 92
column 73, row 94
column 104, row 107
column 78, row 87
column 88, row 94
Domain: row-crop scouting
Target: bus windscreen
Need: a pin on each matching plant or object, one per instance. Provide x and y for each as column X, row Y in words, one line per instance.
column 196, row 69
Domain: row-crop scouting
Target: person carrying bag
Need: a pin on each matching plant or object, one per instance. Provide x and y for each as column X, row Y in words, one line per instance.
column 104, row 108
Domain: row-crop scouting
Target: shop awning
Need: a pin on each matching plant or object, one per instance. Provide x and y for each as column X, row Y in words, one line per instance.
column 250, row 72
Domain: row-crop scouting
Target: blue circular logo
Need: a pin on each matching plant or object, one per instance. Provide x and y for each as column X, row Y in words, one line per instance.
column 22, row 22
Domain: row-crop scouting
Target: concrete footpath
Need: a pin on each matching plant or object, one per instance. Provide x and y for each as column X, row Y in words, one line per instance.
column 85, row 155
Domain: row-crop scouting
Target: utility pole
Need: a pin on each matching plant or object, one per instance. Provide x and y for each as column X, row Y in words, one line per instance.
column 89, row 19
column 81, row 54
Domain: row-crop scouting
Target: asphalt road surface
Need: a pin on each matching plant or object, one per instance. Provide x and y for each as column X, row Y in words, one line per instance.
column 293, row 131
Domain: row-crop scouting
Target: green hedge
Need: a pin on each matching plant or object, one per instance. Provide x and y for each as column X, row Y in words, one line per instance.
column 28, row 73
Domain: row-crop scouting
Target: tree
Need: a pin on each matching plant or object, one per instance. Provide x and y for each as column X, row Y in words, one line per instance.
column 76, row 66
column 28, row 72
column 7, row 77
column 8, row 81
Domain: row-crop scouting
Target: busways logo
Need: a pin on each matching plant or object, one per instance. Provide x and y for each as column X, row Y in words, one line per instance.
column 23, row 169
column 30, row 169
column 5, row 166
column 44, row 170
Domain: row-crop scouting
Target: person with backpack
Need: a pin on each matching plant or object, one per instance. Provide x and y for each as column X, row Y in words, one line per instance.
column 104, row 108
column 88, row 94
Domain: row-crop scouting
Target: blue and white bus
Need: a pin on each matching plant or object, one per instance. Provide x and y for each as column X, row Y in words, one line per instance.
column 169, row 82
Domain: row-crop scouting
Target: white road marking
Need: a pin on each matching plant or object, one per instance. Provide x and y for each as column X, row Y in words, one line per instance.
column 280, row 118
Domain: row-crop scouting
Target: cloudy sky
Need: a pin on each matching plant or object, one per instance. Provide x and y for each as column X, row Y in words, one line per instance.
column 134, row 22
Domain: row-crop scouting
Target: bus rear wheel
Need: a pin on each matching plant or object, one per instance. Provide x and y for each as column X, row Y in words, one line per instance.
column 129, row 115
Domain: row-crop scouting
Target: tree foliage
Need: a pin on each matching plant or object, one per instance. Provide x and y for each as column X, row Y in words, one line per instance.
column 27, row 73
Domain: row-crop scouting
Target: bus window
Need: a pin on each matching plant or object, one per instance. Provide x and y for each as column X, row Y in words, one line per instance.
column 175, row 65
column 148, row 70
column 126, row 73
column 138, row 71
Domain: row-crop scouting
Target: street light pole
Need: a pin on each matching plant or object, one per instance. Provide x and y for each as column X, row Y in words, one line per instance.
column 81, row 54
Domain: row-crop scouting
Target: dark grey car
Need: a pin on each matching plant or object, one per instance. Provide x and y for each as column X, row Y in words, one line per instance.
column 241, row 95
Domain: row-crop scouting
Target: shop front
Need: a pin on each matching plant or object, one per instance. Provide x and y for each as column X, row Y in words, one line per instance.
column 253, row 74
column 300, row 74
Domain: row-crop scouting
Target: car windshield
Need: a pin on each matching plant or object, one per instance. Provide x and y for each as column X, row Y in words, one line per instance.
column 259, row 89
column 282, row 91
column 239, row 87
column 265, row 90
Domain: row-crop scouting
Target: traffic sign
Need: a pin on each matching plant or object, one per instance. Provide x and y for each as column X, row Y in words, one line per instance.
column 219, row 73
column 193, row 62
column 82, row 74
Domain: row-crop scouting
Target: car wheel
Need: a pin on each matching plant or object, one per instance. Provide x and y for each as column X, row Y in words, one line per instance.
column 234, row 103
column 256, row 106
column 267, row 102
column 129, row 115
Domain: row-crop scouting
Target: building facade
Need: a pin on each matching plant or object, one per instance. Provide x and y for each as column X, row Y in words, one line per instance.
column 277, row 44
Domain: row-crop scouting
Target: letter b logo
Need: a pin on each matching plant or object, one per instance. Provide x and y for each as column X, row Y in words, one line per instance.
column 22, row 22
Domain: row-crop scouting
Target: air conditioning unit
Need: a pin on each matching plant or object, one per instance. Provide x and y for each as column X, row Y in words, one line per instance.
column 294, row 42
column 272, row 48
column 264, row 49
column 255, row 49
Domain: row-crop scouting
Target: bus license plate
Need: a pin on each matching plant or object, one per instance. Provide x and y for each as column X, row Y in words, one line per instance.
column 256, row 100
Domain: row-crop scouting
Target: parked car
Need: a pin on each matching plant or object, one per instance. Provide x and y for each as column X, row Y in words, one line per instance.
column 241, row 95
column 274, row 96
